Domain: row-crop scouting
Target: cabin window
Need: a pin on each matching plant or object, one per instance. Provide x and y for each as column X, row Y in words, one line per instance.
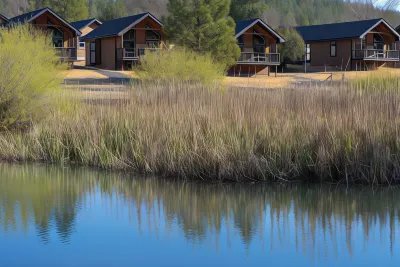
column 333, row 48
column 57, row 36
column 240, row 42
column 130, row 39
column 82, row 45
column 152, row 35
column 308, row 52
column 258, row 43
column 379, row 42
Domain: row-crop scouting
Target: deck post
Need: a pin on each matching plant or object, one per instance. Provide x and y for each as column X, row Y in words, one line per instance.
column 276, row 71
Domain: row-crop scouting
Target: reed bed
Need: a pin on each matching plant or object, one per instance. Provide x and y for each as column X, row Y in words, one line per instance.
column 338, row 133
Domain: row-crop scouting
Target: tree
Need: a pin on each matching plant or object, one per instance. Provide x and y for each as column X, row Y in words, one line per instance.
column 246, row 9
column 204, row 27
column 293, row 49
column 110, row 9
column 71, row 10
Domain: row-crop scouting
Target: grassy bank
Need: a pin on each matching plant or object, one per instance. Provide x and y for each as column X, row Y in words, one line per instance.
column 344, row 134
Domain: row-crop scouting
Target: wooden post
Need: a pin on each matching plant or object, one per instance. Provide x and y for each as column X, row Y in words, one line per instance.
column 276, row 71
column 269, row 69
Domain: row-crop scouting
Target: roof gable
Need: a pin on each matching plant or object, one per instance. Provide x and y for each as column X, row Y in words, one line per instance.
column 85, row 23
column 3, row 17
column 118, row 27
column 28, row 17
column 337, row 31
column 244, row 25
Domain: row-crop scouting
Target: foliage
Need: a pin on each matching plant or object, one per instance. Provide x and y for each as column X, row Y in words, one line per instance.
column 247, row 9
column 294, row 48
column 378, row 83
column 71, row 10
column 110, row 9
column 28, row 74
column 179, row 65
column 204, row 27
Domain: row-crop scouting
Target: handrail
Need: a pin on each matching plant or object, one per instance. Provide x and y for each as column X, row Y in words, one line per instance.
column 376, row 54
column 255, row 57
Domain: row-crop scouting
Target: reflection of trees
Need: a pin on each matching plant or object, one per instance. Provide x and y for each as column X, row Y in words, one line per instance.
column 318, row 220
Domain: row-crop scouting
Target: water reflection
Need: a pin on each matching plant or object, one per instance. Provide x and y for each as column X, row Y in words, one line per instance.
column 317, row 222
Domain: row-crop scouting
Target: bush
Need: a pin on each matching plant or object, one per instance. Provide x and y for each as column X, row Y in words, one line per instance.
column 293, row 49
column 179, row 65
column 28, row 73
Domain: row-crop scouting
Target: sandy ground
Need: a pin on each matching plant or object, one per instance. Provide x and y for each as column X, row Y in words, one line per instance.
column 260, row 81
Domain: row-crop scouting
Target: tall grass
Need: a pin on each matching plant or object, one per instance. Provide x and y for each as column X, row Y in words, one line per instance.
column 306, row 134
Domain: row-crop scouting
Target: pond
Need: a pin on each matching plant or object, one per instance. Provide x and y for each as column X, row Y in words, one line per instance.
column 52, row 216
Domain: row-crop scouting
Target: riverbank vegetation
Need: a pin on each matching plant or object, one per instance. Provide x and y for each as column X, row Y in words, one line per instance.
column 323, row 133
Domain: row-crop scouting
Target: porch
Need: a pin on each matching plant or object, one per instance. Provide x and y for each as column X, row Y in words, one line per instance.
column 257, row 58
column 376, row 54
column 67, row 54
column 138, row 51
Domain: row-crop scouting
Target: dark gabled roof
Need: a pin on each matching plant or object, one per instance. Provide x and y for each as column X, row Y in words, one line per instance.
column 116, row 27
column 83, row 23
column 398, row 29
column 244, row 25
column 27, row 17
column 337, row 31
column 3, row 17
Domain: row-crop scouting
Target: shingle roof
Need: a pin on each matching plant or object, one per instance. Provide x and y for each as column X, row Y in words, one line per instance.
column 336, row 31
column 398, row 29
column 243, row 25
column 27, row 17
column 83, row 23
column 115, row 27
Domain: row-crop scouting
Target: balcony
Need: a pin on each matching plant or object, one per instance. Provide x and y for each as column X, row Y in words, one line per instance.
column 376, row 54
column 67, row 53
column 259, row 58
column 140, row 50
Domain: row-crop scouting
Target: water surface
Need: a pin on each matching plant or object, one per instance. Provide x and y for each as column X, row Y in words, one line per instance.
column 52, row 216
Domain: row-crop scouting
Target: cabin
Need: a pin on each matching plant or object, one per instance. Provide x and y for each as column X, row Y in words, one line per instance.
column 357, row 45
column 63, row 34
column 258, row 43
column 120, row 43
column 85, row 27
column 3, row 19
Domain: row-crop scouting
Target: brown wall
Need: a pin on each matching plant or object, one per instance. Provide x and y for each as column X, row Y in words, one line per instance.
column 86, row 30
column 321, row 54
column 105, row 52
column 248, row 39
column 69, row 34
column 2, row 20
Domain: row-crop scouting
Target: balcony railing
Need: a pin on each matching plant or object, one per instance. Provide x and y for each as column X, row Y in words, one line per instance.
column 260, row 58
column 376, row 54
column 140, row 50
column 67, row 53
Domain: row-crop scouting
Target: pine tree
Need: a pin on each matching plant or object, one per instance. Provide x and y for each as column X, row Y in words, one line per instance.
column 71, row 10
column 203, row 26
column 246, row 9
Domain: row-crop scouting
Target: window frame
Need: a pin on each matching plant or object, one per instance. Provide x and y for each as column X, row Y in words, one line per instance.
column 82, row 47
column 333, row 44
column 308, row 53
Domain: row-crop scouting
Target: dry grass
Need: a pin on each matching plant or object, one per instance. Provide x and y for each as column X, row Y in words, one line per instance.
column 342, row 134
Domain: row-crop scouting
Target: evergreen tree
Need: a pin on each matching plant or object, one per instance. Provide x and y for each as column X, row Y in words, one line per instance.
column 71, row 10
column 294, row 48
column 247, row 9
column 203, row 26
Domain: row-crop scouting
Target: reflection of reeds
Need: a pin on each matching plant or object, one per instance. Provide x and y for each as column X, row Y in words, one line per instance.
column 319, row 220
column 342, row 133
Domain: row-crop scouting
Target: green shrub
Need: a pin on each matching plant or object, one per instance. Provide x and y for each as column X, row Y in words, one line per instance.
column 293, row 49
column 179, row 65
column 29, row 71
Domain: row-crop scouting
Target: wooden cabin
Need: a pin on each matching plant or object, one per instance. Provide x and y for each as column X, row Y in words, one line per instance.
column 357, row 45
column 258, row 43
column 120, row 43
column 64, row 35
column 85, row 27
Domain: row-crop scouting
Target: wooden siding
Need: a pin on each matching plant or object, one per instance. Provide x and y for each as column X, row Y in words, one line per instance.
column 86, row 30
column 69, row 34
column 321, row 54
column 269, row 39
